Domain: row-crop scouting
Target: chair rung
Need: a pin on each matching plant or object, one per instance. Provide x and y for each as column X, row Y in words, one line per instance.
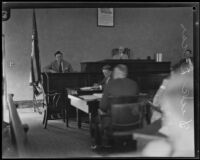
column 126, row 125
column 123, row 133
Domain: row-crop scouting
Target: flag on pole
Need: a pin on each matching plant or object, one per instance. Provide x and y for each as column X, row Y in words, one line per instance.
column 35, row 75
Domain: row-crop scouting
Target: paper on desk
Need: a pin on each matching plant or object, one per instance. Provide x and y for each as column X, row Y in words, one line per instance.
column 98, row 95
column 86, row 88
column 88, row 97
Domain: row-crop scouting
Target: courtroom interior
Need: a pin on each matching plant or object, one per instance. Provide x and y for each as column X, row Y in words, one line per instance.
column 99, row 79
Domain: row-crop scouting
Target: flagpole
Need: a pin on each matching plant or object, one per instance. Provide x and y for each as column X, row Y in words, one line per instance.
column 34, row 107
column 35, row 76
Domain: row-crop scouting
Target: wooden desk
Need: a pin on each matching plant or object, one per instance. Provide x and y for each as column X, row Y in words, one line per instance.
column 88, row 105
column 147, row 73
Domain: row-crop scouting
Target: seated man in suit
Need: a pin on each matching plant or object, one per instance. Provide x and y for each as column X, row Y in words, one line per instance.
column 179, row 68
column 119, row 86
column 107, row 72
column 186, row 61
column 59, row 65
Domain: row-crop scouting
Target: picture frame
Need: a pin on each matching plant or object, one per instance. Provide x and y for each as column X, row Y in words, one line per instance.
column 105, row 17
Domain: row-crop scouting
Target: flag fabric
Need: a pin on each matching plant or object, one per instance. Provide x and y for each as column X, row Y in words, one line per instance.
column 35, row 75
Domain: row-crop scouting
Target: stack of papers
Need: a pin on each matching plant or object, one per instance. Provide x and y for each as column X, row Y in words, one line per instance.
column 86, row 88
column 98, row 95
column 88, row 97
column 95, row 96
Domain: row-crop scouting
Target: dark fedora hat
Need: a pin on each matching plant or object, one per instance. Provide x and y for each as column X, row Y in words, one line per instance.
column 106, row 67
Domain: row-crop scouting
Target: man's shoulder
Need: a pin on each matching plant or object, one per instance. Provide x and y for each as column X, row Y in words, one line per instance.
column 54, row 62
column 66, row 62
column 127, row 81
column 130, row 81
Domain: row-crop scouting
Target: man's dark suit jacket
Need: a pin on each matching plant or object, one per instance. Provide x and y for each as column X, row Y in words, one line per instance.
column 66, row 67
column 105, row 81
column 118, row 87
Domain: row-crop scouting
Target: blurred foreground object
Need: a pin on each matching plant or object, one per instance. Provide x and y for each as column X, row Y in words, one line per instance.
column 177, row 104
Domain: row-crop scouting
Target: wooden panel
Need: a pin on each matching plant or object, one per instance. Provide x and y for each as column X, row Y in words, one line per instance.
column 147, row 73
column 133, row 66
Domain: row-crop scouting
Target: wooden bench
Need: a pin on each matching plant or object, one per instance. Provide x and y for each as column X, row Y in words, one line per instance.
column 17, row 129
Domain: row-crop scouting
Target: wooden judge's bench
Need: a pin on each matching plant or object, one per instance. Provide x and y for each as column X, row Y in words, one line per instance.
column 147, row 73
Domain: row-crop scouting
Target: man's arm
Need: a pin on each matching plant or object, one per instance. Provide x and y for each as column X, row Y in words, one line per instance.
column 70, row 68
column 67, row 67
column 48, row 68
column 159, row 93
column 104, row 101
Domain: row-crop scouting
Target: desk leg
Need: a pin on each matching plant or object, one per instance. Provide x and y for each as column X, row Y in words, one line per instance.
column 148, row 114
column 78, row 117
column 91, row 125
column 93, row 106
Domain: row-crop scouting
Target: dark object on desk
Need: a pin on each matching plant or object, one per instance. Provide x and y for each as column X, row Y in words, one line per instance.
column 148, row 57
column 88, row 92
column 56, row 105
column 126, row 115
column 121, row 53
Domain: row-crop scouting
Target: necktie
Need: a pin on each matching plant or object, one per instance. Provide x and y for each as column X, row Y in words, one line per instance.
column 60, row 68
column 107, row 80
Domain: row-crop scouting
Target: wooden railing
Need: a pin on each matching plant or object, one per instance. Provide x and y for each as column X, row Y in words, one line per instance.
column 18, row 134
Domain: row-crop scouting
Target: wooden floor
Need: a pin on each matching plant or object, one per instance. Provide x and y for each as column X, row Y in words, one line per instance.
column 58, row 141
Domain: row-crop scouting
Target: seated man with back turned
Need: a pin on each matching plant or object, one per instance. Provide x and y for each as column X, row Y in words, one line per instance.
column 59, row 65
column 120, row 85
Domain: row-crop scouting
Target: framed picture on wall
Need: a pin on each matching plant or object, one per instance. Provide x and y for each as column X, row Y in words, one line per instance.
column 105, row 17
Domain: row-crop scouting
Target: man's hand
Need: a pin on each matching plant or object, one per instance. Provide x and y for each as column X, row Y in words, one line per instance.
column 52, row 71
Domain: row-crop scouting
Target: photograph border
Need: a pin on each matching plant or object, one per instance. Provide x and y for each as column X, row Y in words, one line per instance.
column 8, row 6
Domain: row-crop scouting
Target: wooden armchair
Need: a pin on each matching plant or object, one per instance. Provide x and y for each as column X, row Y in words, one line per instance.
column 126, row 115
column 56, row 106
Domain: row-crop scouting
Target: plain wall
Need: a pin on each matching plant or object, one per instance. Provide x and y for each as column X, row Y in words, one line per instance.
column 74, row 31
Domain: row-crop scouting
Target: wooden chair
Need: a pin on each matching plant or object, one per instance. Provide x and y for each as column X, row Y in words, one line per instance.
column 126, row 115
column 55, row 107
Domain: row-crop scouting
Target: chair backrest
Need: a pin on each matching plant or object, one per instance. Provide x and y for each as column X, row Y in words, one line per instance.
column 56, row 100
column 126, row 113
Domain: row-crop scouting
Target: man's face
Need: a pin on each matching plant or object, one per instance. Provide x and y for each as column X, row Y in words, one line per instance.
column 59, row 57
column 188, row 54
column 121, row 50
column 106, row 72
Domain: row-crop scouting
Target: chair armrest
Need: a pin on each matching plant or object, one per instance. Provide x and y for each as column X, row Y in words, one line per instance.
column 156, row 108
column 102, row 113
column 51, row 94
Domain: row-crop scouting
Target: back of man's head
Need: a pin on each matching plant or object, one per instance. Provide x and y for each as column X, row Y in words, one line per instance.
column 120, row 71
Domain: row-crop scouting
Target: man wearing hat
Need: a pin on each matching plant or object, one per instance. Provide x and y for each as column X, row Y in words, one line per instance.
column 119, row 86
column 107, row 72
column 59, row 65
